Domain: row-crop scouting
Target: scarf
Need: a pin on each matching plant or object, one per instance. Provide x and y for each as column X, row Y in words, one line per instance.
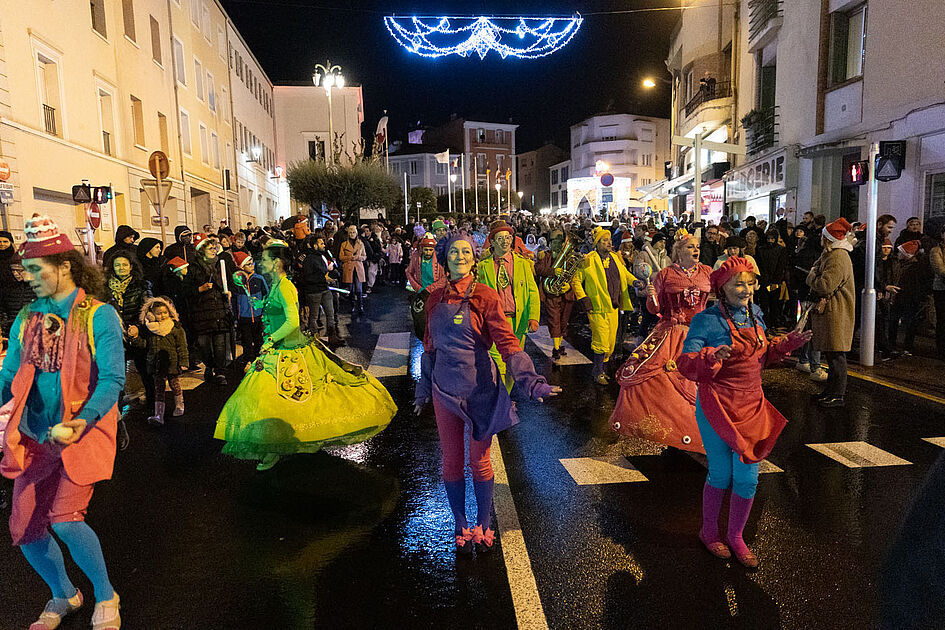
column 162, row 329
column 118, row 286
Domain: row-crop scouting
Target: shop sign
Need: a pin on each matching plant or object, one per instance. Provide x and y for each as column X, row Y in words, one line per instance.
column 762, row 177
column 6, row 193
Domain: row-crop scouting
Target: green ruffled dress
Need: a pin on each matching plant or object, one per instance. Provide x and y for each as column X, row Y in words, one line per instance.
column 300, row 397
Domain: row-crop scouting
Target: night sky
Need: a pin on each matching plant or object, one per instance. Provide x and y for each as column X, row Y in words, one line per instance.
column 599, row 70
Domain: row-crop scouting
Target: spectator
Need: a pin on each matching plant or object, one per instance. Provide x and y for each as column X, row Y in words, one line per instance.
column 937, row 257
column 210, row 309
column 915, row 284
column 318, row 272
column 153, row 264
column 772, row 262
column 125, row 238
column 15, row 291
column 752, row 238
column 806, row 254
column 913, row 232
column 251, row 289
column 352, row 255
column 165, row 345
column 751, row 226
column 711, row 247
column 182, row 247
column 735, row 246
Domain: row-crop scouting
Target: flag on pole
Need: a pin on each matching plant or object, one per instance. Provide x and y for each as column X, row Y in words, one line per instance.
column 381, row 133
column 443, row 158
column 454, row 163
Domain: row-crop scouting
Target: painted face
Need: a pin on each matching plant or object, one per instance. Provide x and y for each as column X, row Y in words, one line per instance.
column 155, row 251
column 44, row 277
column 5, row 242
column 267, row 264
column 740, row 289
column 460, row 259
column 122, row 267
column 502, row 243
column 160, row 313
column 604, row 245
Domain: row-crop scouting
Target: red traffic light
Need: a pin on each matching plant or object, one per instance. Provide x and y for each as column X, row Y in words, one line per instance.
column 859, row 172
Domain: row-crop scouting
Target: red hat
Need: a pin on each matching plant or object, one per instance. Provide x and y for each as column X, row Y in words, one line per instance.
column 837, row 230
column 241, row 258
column 177, row 263
column 200, row 239
column 728, row 270
column 427, row 241
column 43, row 238
column 500, row 226
column 887, row 243
column 910, row 248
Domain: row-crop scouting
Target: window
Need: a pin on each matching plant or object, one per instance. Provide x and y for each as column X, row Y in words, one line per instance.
column 646, row 159
column 107, row 115
column 98, row 17
column 564, row 173
column 847, row 44
column 156, row 41
column 689, row 85
column 934, row 196
column 481, row 134
column 239, row 65
column 221, row 43
column 162, row 130
column 179, row 69
column 440, row 168
column 211, row 97
column 195, row 13
column 564, row 197
column 316, row 149
column 223, row 103
column 207, row 28
column 215, row 148
column 499, row 136
column 137, row 117
column 204, row 146
column 185, row 132
column 128, row 16
column 198, row 79
column 47, row 74
column 413, row 167
column 554, row 176
column 554, row 200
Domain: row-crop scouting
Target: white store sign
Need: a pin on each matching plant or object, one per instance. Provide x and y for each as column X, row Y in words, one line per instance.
column 761, row 177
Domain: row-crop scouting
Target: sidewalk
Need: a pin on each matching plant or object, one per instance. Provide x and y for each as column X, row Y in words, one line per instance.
column 920, row 373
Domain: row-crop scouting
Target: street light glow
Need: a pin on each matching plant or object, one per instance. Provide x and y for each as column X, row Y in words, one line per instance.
column 649, row 83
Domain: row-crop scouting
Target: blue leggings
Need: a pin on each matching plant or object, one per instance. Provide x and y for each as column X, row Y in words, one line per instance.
column 726, row 469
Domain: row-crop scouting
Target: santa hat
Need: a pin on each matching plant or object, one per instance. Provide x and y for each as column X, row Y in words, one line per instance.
column 500, row 226
column 837, row 230
column 427, row 241
column 200, row 239
column 910, row 248
column 728, row 270
column 242, row 258
column 43, row 238
column 887, row 243
column 177, row 263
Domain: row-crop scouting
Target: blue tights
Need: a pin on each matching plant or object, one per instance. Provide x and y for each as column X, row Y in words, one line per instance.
column 726, row 469
column 45, row 556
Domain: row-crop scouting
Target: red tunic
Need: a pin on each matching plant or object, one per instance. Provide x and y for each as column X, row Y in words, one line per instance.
column 656, row 402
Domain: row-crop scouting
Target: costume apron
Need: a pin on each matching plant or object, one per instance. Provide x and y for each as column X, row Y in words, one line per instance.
column 734, row 403
column 464, row 377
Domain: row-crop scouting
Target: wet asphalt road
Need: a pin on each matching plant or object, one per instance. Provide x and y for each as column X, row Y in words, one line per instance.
column 361, row 537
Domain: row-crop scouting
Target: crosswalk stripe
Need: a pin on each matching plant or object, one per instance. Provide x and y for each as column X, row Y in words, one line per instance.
column 858, row 454
column 391, row 355
column 937, row 441
column 588, row 471
column 542, row 339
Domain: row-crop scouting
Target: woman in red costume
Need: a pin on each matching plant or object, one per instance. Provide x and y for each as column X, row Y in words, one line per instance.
column 656, row 402
column 724, row 353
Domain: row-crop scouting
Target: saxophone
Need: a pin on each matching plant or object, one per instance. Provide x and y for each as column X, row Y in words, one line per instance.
column 569, row 260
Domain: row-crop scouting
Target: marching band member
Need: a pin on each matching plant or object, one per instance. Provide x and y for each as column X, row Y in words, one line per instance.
column 557, row 308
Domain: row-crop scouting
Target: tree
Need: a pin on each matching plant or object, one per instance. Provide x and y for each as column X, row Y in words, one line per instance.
column 347, row 187
column 426, row 198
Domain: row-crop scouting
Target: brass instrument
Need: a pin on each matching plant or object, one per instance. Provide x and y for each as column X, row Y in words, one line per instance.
column 568, row 260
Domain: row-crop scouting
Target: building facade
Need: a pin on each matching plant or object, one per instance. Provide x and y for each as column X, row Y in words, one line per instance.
column 534, row 175
column 558, row 175
column 488, row 150
column 416, row 166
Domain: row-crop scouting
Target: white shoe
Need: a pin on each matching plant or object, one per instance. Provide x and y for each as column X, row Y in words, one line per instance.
column 802, row 367
column 106, row 615
column 819, row 375
column 56, row 610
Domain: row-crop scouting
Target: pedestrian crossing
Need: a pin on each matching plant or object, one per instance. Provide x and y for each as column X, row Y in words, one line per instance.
column 391, row 355
column 542, row 339
column 858, row 454
column 588, row 471
column 937, row 441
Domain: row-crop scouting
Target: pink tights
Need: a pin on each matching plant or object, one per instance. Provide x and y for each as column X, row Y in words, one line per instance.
column 452, row 430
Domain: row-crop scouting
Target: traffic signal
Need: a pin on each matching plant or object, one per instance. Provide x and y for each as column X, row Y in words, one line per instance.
column 81, row 193
column 860, row 172
column 101, row 194
column 891, row 160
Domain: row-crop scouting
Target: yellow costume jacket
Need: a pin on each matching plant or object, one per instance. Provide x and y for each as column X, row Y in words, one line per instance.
column 524, row 288
column 590, row 281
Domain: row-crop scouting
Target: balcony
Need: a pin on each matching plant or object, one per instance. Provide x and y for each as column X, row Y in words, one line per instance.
column 761, row 129
column 707, row 110
column 706, row 93
column 49, row 118
column 765, row 18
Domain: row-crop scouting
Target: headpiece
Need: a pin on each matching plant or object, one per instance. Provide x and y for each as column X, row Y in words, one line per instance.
column 910, row 248
column 43, row 238
column 728, row 270
column 600, row 233
column 837, row 230
column 241, row 258
column 177, row 263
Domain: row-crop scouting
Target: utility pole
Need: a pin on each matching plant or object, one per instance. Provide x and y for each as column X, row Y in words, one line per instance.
column 698, row 143
column 868, row 321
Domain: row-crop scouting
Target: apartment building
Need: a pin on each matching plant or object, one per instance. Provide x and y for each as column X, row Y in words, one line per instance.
column 487, row 149
column 258, row 178
column 558, row 175
column 534, row 175
column 418, row 162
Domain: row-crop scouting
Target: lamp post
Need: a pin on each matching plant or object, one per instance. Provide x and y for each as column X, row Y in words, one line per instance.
column 453, row 190
column 520, row 195
column 329, row 76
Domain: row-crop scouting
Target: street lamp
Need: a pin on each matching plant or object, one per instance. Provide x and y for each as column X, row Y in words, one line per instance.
column 498, row 197
column 520, row 195
column 452, row 189
column 329, row 76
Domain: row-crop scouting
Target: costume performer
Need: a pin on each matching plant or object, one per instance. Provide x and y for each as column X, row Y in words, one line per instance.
column 724, row 353
column 424, row 274
column 513, row 277
column 465, row 318
column 557, row 308
column 656, row 402
column 60, row 383
column 298, row 396
column 601, row 285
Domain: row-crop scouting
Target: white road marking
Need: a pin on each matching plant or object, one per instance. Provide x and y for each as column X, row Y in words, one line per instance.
column 937, row 441
column 542, row 339
column 587, row 471
column 391, row 355
column 529, row 613
column 858, row 454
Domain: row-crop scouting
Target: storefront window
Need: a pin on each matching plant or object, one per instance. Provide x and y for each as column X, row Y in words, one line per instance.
column 934, row 195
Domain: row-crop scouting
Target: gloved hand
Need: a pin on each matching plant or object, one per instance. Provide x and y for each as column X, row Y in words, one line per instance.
column 586, row 304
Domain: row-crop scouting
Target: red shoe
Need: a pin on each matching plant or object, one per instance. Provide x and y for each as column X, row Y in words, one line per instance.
column 464, row 542
column 483, row 540
column 716, row 548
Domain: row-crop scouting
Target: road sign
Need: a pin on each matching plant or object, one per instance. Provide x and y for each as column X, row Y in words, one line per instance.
column 607, row 195
column 95, row 216
column 151, row 188
column 887, row 169
column 860, row 172
column 606, row 179
column 335, row 215
column 4, row 171
column 82, row 193
column 157, row 221
column 159, row 165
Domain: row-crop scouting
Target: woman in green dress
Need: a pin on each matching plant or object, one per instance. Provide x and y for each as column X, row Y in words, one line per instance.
column 298, row 396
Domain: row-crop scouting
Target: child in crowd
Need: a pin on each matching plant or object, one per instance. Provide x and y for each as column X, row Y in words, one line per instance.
column 250, row 287
column 166, row 345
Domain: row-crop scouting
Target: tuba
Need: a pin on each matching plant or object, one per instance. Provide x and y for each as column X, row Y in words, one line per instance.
column 568, row 260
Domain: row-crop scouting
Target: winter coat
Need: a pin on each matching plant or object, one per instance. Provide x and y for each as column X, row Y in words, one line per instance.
column 210, row 310
column 155, row 269
column 178, row 249
column 915, row 280
column 937, row 261
column 258, row 288
column 803, row 262
column 709, row 252
column 352, row 258
column 123, row 232
column 832, row 278
column 166, row 353
column 314, row 271
column 131, row 300
column 14, row 294
column 772, row 262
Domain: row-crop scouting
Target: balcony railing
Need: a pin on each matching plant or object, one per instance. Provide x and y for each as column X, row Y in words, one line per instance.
column 708, row 92
column 760, row 13
column 49, row 117
column 761, row 129
column 107, row 142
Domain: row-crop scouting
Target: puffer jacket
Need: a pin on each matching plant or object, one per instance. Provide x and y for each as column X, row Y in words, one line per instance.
column 166, row 353
column 209, row 311
column 130, row 302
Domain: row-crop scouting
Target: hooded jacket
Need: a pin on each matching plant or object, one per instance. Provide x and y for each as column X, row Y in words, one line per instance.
column 166, row 344
column 182, row 250
column 155, row 269
column 123, row 232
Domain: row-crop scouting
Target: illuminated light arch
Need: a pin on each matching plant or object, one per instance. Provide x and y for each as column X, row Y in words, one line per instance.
column 523, row 37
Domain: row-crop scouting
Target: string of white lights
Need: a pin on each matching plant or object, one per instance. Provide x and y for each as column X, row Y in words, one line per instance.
column 436, row 36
